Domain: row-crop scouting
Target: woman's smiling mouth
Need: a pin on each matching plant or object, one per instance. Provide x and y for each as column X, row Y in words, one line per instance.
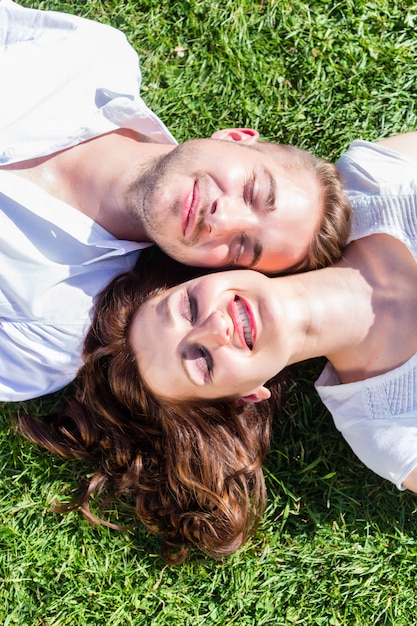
column 244, row 321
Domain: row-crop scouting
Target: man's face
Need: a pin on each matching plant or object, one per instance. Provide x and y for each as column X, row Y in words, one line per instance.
column 217, row 203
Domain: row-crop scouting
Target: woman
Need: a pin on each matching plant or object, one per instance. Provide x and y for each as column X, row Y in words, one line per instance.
column 193, row 472
column 224, row 335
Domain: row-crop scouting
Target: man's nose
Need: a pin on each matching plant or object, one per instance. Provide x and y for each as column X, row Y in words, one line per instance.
column 213, row 332
column 229, row 216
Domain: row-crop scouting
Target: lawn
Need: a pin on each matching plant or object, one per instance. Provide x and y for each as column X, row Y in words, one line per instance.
column 337, row 545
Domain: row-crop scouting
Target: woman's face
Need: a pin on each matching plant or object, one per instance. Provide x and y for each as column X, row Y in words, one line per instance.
column 217, row 336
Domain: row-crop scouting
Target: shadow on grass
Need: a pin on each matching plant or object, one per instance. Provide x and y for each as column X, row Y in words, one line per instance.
column 314, row 479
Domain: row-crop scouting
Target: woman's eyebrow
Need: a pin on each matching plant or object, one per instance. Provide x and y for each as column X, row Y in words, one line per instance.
column 163, row 309
column 184, row 363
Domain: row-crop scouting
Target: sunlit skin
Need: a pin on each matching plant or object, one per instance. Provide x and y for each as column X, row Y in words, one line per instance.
column 193, row 345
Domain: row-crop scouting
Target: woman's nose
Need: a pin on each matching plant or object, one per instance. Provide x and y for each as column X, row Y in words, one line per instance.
column 213, row 331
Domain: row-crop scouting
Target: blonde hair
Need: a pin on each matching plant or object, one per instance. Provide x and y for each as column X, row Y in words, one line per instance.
column 328, row 242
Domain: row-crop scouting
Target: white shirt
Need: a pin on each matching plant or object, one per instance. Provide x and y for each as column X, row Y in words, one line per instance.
column 378, row 416
column 64, row 80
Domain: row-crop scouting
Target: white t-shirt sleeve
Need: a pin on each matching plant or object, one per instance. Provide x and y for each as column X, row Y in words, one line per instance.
column 66, row 79
column 376, row 418
column 389, row 448
column 37, row 360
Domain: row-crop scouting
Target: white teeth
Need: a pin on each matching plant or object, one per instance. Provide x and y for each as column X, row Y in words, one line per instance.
column 245, row 323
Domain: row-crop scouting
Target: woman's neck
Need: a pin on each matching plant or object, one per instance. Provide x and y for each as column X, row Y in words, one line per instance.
column 360, row 313
column 330, row 310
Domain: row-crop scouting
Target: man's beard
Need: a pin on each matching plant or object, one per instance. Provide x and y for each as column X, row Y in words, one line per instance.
column 140, row 198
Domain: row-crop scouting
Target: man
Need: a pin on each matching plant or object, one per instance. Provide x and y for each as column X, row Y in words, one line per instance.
column 89, row 176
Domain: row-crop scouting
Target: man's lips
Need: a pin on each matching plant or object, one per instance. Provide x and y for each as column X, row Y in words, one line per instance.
column 244, row 321
column 190, row 210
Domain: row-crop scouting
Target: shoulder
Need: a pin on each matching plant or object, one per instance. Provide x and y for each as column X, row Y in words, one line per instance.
column 404, row 144
column 368, row 168
column 34, row 26
column 410, row 482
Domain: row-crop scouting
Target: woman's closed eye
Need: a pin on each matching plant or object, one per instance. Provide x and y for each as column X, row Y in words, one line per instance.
column 203, row 363
column 188, row 307
column 200, row 359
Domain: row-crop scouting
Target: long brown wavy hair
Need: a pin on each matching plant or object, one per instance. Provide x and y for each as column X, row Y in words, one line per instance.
column 193, row 471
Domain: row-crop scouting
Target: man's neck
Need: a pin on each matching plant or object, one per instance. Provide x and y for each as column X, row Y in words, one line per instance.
column 93, row 177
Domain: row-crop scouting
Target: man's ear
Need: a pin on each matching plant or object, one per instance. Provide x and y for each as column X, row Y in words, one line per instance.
column 243, row 135
column 257, row 395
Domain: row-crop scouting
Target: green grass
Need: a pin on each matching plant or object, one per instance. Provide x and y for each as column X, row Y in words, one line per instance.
column 337, row 545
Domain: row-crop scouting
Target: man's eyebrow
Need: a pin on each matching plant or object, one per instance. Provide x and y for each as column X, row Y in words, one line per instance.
column 257, row 253
column 270, row 201
column 269, row 206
